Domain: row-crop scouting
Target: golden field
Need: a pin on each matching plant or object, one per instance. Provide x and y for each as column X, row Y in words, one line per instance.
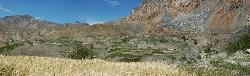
column 45, row 66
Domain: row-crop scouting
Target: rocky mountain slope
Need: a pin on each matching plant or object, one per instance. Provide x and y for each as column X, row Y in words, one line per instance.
column 209, row 22
column 200, row 15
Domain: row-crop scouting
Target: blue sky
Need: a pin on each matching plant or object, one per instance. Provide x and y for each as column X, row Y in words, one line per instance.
column 62, row 11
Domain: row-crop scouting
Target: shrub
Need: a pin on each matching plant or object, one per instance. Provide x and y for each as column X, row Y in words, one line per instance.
column 134, row 59
column 208, row 49
column 242, row 44
column 155, row 39
column 82, row 53
column 8, row 47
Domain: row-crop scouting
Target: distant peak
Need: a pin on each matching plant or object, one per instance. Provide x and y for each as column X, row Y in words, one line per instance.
column 25, row 17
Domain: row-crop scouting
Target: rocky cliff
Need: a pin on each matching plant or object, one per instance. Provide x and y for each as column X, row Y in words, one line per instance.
column 223, row 16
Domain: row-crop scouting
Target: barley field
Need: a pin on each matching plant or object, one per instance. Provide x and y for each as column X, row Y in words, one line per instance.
column 45, row 66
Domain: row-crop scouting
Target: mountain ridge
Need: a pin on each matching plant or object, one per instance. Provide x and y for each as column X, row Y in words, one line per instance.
column 200, row 33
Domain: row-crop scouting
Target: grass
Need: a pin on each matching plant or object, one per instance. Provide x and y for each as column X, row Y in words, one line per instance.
column 138, row 55
column 237, row 68
column 7, row 70
column 155, row 39
column 126, row 54
column 44, row 66
column 201, row 71
column 218, row 68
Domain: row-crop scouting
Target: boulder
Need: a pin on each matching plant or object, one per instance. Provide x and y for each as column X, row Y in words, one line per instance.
column 248, row 51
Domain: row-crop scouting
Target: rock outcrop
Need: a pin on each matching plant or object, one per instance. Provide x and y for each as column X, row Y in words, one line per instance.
column 223, row 16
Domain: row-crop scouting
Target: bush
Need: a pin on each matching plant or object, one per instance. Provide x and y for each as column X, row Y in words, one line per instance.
column 9, row 47
column 208, row 49
column 82, row 53
column 154, row 39
column 240, row 45
column 134, row 59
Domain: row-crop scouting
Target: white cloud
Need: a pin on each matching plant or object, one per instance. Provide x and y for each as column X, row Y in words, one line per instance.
column 92, row 22
column 6, row 10
column 39, row 18
column 113, row 2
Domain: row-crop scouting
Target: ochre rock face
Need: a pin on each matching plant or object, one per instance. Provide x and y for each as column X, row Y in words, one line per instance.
column 226, row 17
column 149, row 10
column 205, row 15
column 248, row 5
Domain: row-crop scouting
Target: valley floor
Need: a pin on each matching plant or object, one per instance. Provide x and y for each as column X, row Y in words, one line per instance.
column 45, row 66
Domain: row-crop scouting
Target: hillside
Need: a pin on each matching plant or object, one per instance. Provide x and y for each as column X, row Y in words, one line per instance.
column 196, row 15
column 205, row 37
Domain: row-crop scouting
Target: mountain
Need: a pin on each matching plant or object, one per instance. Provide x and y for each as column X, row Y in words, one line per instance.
column 220, row 16
column 200, row 33
column 23, row 27
column 203, row 22
column 210, row 22
column 25, row 35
